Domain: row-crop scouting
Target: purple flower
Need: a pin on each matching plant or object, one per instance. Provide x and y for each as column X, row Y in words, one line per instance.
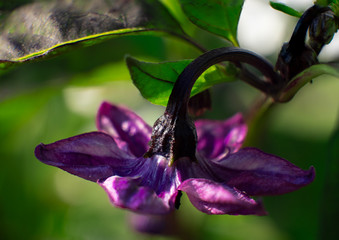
column 218, row 181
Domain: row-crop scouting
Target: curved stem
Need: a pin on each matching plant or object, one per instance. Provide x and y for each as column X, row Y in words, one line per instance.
column 178, row 101
column 174, row 135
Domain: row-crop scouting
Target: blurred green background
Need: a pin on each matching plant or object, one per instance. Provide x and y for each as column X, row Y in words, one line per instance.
column 48, row 100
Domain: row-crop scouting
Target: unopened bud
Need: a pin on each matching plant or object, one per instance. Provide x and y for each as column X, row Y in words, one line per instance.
column 322, row 29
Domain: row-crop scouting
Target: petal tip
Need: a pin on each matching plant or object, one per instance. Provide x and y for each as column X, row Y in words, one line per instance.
column 103, row 109
column 311, row 174
column 38, row 151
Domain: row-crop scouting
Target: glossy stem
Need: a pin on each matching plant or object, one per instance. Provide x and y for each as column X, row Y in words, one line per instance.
column 178, row 101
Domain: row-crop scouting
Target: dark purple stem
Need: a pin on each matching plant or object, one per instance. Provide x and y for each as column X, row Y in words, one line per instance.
column 174, row 135
column 178, row 101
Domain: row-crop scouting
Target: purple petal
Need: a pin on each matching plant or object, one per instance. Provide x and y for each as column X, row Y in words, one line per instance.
column 91, row 156
column 215, row 198
column 259, row 173
column 126, row 192
column 217, row 138
column 127, row 128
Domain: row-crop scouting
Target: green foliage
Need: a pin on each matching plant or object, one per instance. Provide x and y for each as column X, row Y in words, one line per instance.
column 285, row 9
column 334, row 5
column 155, row 80
column 216, row 16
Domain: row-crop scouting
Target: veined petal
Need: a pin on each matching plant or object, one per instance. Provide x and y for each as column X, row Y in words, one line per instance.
column 259, row 173
column 217, row 138
column 126, row 192
column 215, row 198
column 91, row 156
column 127, row 128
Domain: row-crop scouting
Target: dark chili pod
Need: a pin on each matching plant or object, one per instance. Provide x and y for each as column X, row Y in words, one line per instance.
column 322, row 30
column 295, row 56
column 290, row 63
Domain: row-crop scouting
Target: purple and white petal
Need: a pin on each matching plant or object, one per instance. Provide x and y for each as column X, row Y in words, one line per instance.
column 127, row 192
column 215, row 198
column 127, row 128
column 156, row 173
column 259, row 173
column 217, row 138
column 91, row 156
column 216, row 182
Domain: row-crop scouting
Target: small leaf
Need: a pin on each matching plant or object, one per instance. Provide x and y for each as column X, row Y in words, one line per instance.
column 42, row 28
column 155, row 80
column 216, row 16
column 285, row 9
column 306, row 76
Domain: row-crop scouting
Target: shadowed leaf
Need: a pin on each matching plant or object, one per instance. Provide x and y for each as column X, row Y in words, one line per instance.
column 45, row 28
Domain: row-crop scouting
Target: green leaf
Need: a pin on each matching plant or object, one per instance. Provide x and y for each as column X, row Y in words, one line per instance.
column 285, row 9
column 216, row 16
column 306, row 76
column 47, row 28
column 156, row 80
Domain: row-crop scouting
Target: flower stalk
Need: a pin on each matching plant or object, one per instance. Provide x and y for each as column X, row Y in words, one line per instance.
column 174, row 134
